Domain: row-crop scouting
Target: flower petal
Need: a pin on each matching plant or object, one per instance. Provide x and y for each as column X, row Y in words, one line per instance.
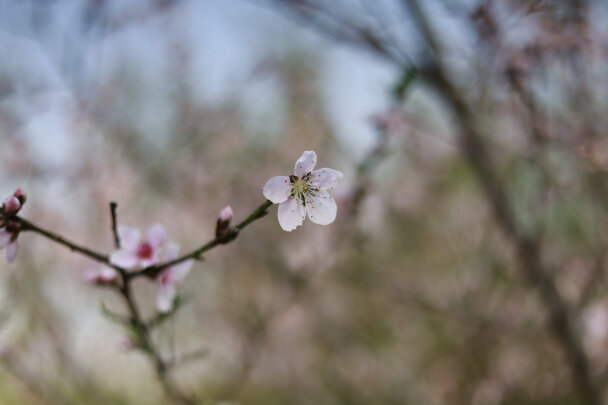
column 11, row 252
column 165, row 297
column 151, row 261
column 305, row 163
column 277, row 189
column 325, row 179
column 11, row 205
column 322, row 208
column 291, row 214
column 171, row 252
column 5, row 238
column 124, row 258
column 157, row 235
column 129, row 237
column 180, row 271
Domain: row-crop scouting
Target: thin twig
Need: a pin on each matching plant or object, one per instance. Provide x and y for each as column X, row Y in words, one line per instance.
column 100, row 257
column 337, row 28
column 153, row 271
column 150, row 271
column 148, row 346
column 113, row 207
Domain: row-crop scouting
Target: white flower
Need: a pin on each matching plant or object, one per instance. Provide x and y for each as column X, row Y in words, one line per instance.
column 169, row 278
column 304, row 193
column 137, row 250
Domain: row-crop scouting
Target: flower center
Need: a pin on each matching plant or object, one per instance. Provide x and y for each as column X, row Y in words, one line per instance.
column 144, row 251
column 301, row 188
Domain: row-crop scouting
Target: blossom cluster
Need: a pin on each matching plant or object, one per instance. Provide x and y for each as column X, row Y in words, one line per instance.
column 9, row 228
column 138, row 251
column 142, row 250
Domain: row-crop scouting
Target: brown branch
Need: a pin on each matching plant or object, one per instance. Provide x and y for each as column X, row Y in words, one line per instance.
column 229, row 236
column 135, row 321
column 151, row 271
column 74, row 247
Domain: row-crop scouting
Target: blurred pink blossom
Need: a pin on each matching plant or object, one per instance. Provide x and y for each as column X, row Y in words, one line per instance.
column 137, row 250
column 9, row 229
column 102, row 276
column 595, row 322
column 168, row 279
column 304, row 193
column 8, row 242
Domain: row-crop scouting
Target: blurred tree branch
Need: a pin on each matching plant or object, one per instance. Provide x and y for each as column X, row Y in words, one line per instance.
column 528, row 248
column 527, row 245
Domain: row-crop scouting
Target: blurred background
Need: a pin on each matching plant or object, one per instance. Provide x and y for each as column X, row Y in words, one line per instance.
column 415, row 295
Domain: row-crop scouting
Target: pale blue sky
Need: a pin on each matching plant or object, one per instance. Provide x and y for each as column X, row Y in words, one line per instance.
column 52, row 56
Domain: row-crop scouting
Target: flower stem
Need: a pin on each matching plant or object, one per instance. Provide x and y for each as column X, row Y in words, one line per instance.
column 257, row 214
column 113, row 207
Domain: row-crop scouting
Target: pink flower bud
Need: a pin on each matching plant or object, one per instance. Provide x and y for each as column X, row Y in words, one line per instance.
column 223, row 222
column 226, row 214
column 11, row 205
column 21, row 196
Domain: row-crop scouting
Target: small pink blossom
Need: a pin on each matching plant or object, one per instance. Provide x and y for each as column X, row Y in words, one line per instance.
column 102, row 276
column 138, row 250
column 169, row 278
column 306, row 192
